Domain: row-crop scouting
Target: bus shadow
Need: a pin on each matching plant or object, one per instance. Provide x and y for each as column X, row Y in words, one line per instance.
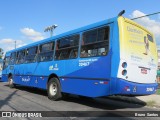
column 30, row 90
column 105, row 103
column 7, row 99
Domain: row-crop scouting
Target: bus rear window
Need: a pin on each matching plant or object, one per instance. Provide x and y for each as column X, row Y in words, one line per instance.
column 150, row 38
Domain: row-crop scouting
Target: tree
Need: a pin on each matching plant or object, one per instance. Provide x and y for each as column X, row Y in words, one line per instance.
column 1, row 53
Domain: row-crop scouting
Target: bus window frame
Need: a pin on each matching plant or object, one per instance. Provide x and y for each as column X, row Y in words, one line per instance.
column 4, row 62
column 53, row 51
column 17, row 58
column 109, row 29
column 37, row 47
column 77, row 46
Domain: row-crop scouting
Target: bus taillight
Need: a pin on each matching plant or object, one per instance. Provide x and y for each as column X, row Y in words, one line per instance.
column 124, row 72
column 124, row 65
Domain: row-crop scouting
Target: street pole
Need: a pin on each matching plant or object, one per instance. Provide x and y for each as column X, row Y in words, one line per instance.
column 50, row 28
column 15, row 44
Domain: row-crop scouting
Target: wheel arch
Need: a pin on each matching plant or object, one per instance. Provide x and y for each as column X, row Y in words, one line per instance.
column 9, row 75
column 52, row 76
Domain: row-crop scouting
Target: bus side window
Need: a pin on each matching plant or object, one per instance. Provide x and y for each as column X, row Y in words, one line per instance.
column 31, row 54
column 67, row 48
column 21, row 57
column 95, row 42
column 64, row 55
column 6, row 62
column 84, row 53
column 73, row 53
column 46, row 52
column 12, row 58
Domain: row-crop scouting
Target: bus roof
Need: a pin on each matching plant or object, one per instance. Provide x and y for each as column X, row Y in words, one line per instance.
column 94, row 25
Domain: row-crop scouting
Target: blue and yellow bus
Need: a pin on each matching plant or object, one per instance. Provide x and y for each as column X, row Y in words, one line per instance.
column 113, row 57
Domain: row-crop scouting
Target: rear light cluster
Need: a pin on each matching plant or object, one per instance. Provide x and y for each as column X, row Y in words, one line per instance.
column 124, row 71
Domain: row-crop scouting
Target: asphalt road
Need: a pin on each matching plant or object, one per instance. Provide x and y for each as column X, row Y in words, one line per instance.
column 32, row 99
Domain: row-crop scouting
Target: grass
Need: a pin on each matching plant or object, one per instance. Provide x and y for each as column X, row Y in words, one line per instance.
column 151, row 103
column 158, row 91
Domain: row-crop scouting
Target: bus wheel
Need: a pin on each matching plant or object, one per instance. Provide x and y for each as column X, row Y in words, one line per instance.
column 54, row 89
column 10, row 82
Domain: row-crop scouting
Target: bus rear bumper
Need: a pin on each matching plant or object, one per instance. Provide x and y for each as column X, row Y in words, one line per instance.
column 131, row 88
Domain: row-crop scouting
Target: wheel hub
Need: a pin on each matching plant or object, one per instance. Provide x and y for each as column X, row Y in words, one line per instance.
column 53, row 89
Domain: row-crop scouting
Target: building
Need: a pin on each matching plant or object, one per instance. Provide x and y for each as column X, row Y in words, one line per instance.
column 158, row 72
column 1, row 55
column 158, row 59
column 1, row 68
column 1, row 64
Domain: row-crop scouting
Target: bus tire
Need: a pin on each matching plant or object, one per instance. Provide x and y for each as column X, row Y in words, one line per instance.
column 10, row 82
column 54, row 89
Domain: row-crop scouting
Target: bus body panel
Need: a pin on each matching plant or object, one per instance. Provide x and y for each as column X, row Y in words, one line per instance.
column 93, row 77
column 24, row 74
column 86, row 87
column 130, row 88
column 4, row 77
column 115, row 59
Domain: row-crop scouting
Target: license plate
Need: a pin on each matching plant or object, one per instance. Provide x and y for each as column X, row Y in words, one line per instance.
column 143, row 71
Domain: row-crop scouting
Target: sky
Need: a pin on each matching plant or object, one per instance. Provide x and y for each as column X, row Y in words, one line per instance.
column 24, row 21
